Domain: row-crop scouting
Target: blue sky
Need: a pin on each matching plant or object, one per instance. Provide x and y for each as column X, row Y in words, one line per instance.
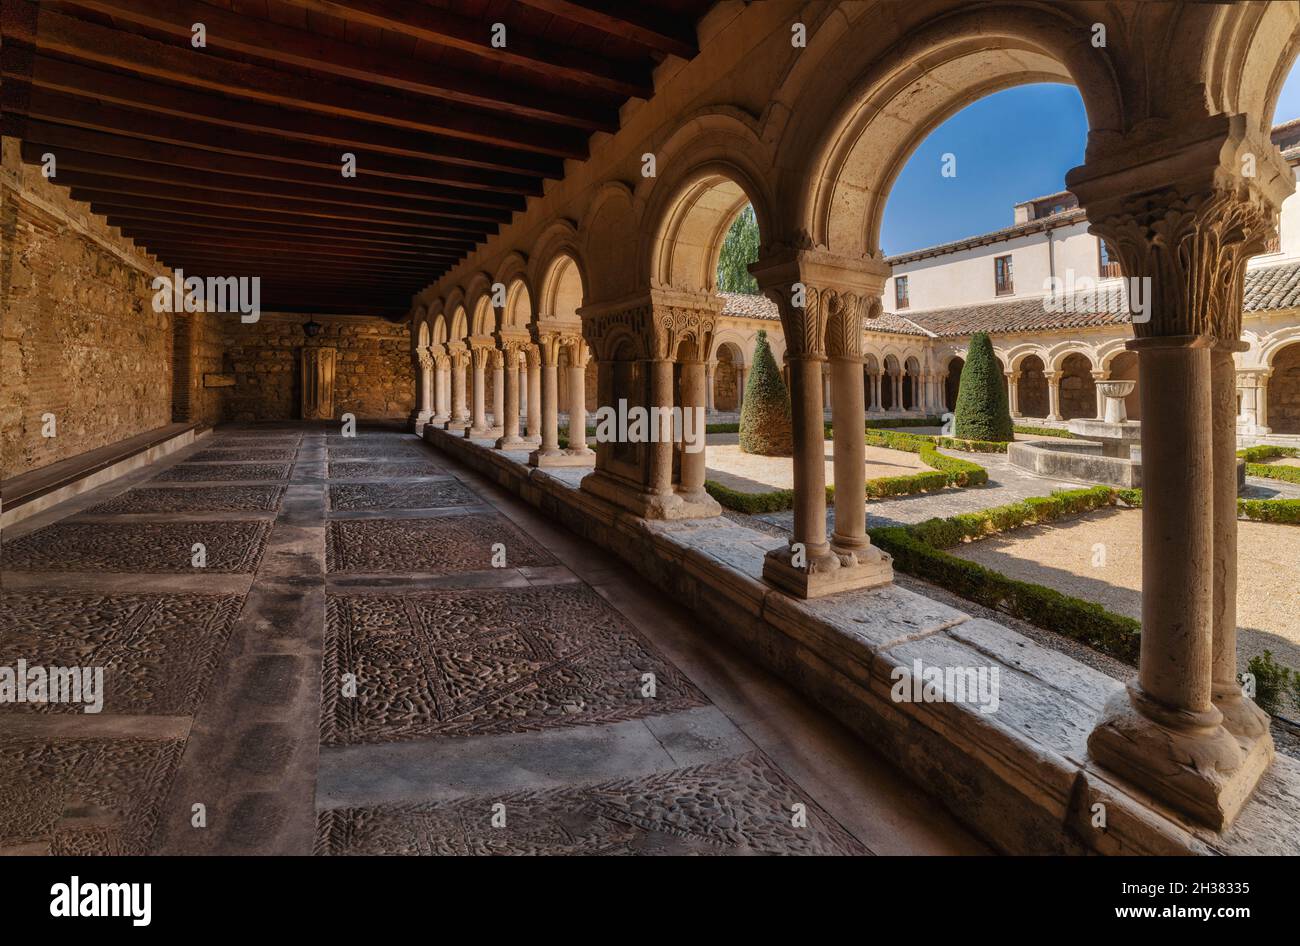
column 1009, row 147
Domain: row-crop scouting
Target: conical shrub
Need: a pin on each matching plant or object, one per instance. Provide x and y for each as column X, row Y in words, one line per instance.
column 982, row 410
column 765, row 412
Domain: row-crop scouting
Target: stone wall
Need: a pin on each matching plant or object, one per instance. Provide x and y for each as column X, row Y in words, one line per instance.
column 375, row 374
column 79, row 339
column 1284, row 392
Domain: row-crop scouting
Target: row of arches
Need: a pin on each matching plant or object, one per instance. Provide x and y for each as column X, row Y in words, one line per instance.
column 838, row 117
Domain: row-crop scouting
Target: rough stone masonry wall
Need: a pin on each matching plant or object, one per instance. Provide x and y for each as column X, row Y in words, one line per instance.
column 78, row 335
column 374, row 380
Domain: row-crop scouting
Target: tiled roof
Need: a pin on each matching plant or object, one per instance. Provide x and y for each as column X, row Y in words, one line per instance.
column 1267, row 288
column 749, row 306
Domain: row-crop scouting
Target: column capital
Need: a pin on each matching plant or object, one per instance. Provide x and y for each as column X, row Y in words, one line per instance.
column 658, row 321
column 1185, row 216
column 425, row 358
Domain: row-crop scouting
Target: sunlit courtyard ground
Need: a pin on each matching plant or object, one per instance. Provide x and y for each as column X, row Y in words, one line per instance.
column 750, row 473
column 1065, row 557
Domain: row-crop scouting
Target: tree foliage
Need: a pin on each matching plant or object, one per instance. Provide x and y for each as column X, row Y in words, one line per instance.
column 739, row 249
column 982, row 410
column 765, row 412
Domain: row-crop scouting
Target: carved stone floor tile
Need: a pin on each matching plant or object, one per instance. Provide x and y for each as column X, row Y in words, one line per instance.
column 195, row 499
column 741, row 805
column 429, row 546
column 374, row 470
column 473, row 662
column 196, row 472
column 221, row 454
column 411, row 495
column 158, row 651
column 396, row 451
column 231, row 547
column 91, row 796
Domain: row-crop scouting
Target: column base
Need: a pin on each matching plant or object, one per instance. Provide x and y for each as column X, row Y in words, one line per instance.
column 482, row 433
column 650, row 505
column 456, row 424
column 511, row 443
column 1190, row 763
column 829, row 573
column 558, row 457
column 419, row 419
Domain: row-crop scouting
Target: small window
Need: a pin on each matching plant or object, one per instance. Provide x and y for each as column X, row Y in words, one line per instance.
column 900, row 292
column 1109, row 267
column 1002, row 283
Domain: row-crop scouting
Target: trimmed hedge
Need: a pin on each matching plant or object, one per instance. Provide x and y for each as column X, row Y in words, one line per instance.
column 1044, row 432
column 1267, row 452
column 951, row 532
column 1281, row 511
column 947, row 471
column 887, row 422
column 1077, row 619
column 765, row 426
column 1289, row 474
column 982, row 412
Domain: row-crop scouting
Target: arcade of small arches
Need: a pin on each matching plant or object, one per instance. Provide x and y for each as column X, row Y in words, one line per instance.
column 619, row 271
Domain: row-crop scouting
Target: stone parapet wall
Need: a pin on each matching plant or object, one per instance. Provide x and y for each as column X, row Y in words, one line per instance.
column 79, row 339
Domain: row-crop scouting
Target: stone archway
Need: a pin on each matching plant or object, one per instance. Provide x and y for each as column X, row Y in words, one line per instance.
column 1078, row 389
column 726, row 378
column 952, row 384
column 1031, row 379
column 1284, row 391
column 1124, row 367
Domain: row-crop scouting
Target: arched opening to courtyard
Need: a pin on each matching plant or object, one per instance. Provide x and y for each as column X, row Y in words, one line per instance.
column 1284, row 391
column 1078, row 389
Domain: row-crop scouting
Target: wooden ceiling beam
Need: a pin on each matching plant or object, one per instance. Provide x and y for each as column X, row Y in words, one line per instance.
column 93, row 188
column 83, row 165
column 160, row 223
column 302, row 49
column 637, row 22
column 471, row 35
column 45, row 137
column 252, row 241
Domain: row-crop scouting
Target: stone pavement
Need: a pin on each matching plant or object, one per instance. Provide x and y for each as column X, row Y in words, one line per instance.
column 382, row 653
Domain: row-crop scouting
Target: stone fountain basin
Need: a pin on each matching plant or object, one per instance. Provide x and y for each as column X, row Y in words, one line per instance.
column 1083, row 461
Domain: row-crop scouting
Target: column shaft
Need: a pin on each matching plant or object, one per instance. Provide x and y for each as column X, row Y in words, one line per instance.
column 693, row 424
column 534, row 410
column 849, row 417
column 578, row 406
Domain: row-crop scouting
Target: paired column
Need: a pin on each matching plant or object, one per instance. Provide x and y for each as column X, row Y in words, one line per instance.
column 479, row 356
column 498, row 388
column 441, row 391
column 509, row 416
column 828, row 326
column 1013, row 393
column 424, row 410
column 534, row 410
column 578, row 355
column 1053, row 394
column 1183, row 731
column 548, row 350
column 460, row 415
column 692, row 385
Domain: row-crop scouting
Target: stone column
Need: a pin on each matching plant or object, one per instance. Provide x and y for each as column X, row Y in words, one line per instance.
column 510, row 439
column 741, row 375
column 693, row 386
column 875, row 394
column 478, row 419
column 549, row 452
column 534, row 410
column 578, row 355
column 1013, row 393
column 1187, row 224
column 710, row 375
column 425, row 409
column 1053, row 394
column 460, row 417
column 1101, row 400
column 442, row 409
column 659, row 371
column 835, row 294
column 826, row 387
column 498, row 388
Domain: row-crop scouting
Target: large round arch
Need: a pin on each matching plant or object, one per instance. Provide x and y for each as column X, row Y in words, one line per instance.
column 1284, row 391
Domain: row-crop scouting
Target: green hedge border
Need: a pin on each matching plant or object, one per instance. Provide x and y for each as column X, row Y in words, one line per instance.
column 1280, row 511
column 917, row 551
column 1045, row 432
column 947, row 471
column 1252, row 456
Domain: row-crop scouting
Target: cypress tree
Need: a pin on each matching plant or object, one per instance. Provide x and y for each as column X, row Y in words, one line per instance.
column 765, row 412
column 982, row 410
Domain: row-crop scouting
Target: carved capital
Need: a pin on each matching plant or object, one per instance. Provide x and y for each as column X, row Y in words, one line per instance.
column 579, row 353
column 548, row 346
column 425, row 359
column 1193, row 249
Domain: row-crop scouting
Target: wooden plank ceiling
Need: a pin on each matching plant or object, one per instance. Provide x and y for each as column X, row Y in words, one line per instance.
column 226, row 160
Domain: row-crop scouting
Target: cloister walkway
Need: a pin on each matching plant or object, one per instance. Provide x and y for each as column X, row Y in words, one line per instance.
column 351, row 645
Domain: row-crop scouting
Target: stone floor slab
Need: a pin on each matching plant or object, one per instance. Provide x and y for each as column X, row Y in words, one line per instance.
column 736, row 806
column 231, row 547
column 473, row 662
column 193, row 499
column 430, row 546
column 375, row 470
column 204, row 472
column 428, row 494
